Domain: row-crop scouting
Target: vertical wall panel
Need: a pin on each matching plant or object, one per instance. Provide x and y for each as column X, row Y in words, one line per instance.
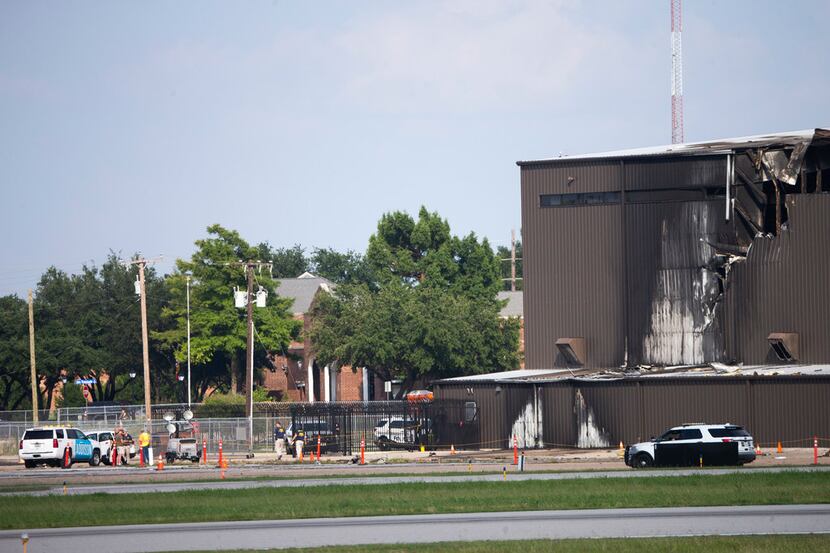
column 572, row 262
column 784, row 286
column 559, row 426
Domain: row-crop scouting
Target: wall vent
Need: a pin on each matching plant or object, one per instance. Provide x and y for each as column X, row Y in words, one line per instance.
column 785, row 345
column 572, row 350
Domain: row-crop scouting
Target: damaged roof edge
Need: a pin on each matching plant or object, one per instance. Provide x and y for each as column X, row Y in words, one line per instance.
column 709, row 370
column 712, row 147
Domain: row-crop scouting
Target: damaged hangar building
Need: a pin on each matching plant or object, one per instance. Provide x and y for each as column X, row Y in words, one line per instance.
column 672, row 284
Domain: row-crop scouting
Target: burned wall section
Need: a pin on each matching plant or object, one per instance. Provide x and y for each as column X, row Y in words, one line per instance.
column 578, row 412
column 674, row 210
column 617, row 253
column 674, row 313
column 783, row 287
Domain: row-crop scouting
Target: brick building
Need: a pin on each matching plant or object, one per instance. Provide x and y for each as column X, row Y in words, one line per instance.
column 298, row 376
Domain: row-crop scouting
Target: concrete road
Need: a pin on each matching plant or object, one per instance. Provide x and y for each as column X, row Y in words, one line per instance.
column 160, row 487
column 598, row 523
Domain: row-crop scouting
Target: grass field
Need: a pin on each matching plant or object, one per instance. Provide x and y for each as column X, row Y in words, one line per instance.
column 404, row 499
column 731, row 544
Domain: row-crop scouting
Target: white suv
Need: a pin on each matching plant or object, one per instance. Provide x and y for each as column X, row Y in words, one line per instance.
column 691, row 444
column 57, row 447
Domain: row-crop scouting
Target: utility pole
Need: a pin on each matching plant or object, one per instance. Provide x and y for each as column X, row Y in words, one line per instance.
column 249, row 361
column 145, row 347
column 142, row 291
column 32, row 356
column 512, row 260
column 249, row 352
column 188, row 341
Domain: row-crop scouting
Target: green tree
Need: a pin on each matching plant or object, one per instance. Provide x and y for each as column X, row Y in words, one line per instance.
column 423, row 252
column 341, row 268
column 286, row 262
column 89, row 325
column 218, row 328
column 433, row 312
column 15, row 380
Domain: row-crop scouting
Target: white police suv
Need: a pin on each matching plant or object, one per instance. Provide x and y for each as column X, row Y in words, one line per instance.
column 58, row 447
column 692, row 445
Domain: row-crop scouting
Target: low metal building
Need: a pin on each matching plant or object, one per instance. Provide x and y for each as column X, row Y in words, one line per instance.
column 556, row 408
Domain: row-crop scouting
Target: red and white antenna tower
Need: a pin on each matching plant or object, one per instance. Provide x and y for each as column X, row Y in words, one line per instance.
column 676, row 72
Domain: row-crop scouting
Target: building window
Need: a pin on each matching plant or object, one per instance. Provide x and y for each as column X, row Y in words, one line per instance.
column 470, row 411
column 584, row 198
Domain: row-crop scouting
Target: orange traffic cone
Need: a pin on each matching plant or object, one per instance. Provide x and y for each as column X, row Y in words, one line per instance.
column 452, row 449
column 621, row 451
column 780, row 449
column 758, row 449
column 160, row 466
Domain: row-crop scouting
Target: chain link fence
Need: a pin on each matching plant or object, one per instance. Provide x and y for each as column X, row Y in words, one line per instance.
column 339, row 426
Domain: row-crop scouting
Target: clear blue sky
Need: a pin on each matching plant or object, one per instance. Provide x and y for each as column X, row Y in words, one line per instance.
column 132, row 126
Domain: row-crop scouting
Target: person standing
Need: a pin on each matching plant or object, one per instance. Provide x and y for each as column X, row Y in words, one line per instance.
column 122, row 454
column 144, row 444
column 299, row 440
column 279, row 440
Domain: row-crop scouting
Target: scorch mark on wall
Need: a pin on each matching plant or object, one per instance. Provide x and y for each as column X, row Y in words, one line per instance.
column 527, row 428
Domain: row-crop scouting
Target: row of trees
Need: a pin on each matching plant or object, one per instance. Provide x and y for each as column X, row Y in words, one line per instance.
column 85, row 326
column 420, row 304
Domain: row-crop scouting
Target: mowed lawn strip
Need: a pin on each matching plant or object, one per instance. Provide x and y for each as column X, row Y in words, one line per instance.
column 407, row 499
column 730, row 544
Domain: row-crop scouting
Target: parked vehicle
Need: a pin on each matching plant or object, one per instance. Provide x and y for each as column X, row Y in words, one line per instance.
column 693, row 444
column 57, row 447
column 314, row 428
column 397, row 432
column 105, row 440
column 183, row 449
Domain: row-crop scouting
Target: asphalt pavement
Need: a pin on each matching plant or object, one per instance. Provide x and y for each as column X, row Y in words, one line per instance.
column 595, row 523
column 307, row 481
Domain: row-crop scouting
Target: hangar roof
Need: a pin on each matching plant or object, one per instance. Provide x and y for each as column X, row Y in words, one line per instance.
column 721, row 146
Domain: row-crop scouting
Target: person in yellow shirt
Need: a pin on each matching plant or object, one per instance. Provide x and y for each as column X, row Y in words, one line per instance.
column 144, row 443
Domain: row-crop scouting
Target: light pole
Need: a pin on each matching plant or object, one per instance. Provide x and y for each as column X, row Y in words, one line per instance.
column 188, row 341
column 181, row 379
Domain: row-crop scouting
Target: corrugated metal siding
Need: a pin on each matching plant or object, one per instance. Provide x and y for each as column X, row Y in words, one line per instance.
column 572, row 267
column 558, row 422
column 787, row 408
column 677, row 401
column 783, row 287
column 497, row 412
column 613, row 404
column 790, row 410
column 672, row 312
column 676, row 173
column 592, row 176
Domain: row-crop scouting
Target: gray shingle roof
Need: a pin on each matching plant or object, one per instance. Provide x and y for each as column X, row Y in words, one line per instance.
column 515, row 304
column 302, row 290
